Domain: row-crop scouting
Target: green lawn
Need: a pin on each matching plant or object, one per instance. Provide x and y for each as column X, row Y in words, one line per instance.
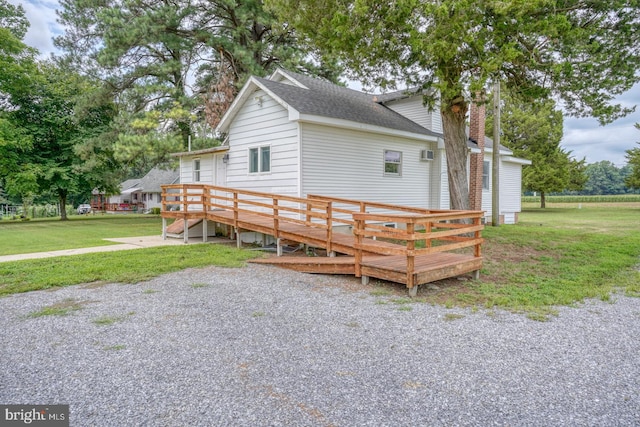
column 557, row 257
column 552, row 257
column 18, row 237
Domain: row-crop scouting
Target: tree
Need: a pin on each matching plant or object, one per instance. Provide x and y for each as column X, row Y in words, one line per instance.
column 48, row 132
column 161, row 58
column 584, row 52
column 633, row 160
column 604, row 178
column 533, row 130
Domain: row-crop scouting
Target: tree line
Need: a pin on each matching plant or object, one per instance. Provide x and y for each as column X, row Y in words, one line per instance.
column 137, row 80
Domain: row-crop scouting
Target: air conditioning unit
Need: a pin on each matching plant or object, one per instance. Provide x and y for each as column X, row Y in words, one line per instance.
column 426, row 155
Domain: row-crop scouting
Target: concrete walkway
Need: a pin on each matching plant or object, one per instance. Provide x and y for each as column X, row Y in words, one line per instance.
column 125, row 243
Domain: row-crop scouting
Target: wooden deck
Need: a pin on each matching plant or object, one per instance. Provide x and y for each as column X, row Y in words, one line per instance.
column 423, row 246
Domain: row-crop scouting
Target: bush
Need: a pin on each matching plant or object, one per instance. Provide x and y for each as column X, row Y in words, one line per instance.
column 155, row 211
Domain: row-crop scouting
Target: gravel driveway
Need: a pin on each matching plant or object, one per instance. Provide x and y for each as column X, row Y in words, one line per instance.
column 260, row 346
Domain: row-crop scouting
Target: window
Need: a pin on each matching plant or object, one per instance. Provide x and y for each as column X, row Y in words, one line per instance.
column 392, row 162
column 196, row 170
column 260, row 159
column 486, row 170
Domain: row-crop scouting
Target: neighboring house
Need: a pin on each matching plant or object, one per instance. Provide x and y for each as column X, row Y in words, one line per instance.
column 142, row 194
column 296, row 135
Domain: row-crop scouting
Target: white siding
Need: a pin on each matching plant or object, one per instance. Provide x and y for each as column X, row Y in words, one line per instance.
column 487, row 198
column 510, row 190
column 510, row 187
column 350, row 164
column 443, row 182
column 414, row 109
column 207, row 169
column 261, row 121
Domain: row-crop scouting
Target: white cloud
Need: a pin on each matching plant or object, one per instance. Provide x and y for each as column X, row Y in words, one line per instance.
column 586, row 138
column 42, row 17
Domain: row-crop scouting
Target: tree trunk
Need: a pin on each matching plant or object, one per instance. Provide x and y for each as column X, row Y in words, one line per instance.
column 543, row 202
column 62, row 197
column 455, row 143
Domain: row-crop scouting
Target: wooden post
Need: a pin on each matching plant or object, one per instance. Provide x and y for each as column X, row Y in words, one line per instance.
column 276, row 219
column 185, row 206
column 477, row 250
column 411, row 247
column 205, row 231
column 358, row 258
column 279, row 247
column 186, row 229
column 329, row 211
column 164, row 228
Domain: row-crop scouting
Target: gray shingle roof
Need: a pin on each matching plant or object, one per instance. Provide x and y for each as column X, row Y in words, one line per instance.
column 152, row 181
column 325, row 99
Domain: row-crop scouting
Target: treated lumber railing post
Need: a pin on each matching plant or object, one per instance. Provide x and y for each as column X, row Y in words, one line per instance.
column 477, row 251
column 235, row 219
column 411, row 246
column 358, row 250
column 185, row 205
column 329, row 213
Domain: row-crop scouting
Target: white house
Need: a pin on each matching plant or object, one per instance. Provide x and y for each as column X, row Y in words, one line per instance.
column 297, row 135
column 142, row 194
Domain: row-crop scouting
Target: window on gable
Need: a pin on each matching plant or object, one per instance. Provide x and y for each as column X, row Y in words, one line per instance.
column 260, row 159
column 196, row 170
column 392, row 162
column 486, row 170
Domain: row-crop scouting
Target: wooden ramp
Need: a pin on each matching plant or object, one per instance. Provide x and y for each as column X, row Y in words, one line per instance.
column 428, row 268
column 308, row 264
column 401, row 244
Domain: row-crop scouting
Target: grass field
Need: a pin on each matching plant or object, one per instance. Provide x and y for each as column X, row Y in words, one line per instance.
column 19, row 237
column 554, row 256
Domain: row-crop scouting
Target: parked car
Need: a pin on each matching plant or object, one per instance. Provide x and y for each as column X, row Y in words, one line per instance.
column 84, row 209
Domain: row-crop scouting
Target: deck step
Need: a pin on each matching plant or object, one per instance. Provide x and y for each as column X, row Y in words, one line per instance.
column 318, row 265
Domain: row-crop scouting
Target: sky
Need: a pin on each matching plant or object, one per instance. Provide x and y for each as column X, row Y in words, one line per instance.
column 584, row 137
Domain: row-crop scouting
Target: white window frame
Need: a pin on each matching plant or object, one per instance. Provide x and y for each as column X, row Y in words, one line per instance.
column 197, row 165
column 387, row 159
column 260, row 167
column 486, row 174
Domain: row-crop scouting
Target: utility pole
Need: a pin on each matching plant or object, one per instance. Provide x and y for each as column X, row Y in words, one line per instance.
column 495, row 170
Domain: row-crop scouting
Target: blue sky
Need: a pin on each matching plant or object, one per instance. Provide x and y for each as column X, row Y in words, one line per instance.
column 584, row 137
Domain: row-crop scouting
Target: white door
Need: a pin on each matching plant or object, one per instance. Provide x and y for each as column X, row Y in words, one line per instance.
column 220, row 170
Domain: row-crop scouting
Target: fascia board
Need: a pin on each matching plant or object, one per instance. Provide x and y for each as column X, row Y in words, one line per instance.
column 517, row 160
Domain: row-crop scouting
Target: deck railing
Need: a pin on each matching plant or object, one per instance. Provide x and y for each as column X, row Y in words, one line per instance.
column 190, row 201
column 343, row 209
column 417, row 234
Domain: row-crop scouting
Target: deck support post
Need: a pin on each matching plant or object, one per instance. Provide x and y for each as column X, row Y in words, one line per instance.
column 186, row 231
column 205, row 231
column 413, row 291
column 164, row 228
column 476, row 274
column 332, row 254
column 279, row 246
column 365, row 280
column 236, row 231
